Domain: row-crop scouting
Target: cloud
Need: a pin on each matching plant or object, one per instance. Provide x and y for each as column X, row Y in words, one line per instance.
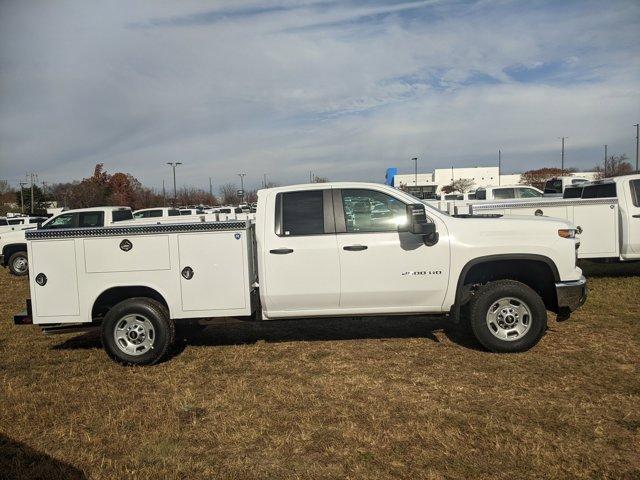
column 341, row 88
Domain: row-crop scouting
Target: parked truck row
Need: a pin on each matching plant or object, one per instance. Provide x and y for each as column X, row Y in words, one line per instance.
column 606, row 213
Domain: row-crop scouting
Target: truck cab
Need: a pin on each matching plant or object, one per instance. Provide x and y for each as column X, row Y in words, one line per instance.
column 19, row 222
column 555, row 187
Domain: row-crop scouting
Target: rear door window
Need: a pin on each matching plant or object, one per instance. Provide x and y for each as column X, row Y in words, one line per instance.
column 90, row 219
column 120, row 215
column 553, row 186
column 174, row 213
column 302, row 213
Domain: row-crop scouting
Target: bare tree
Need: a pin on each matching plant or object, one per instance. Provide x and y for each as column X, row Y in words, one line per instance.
column 461, row 185
column 5, row 187
column 537, row 178
column 229, row 194
column 614, row 166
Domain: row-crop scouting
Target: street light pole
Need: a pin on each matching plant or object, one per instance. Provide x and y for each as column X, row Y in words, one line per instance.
column 242, row 175
column 175, row 190
column 605, row 160
column 499, row 165
column 562, row 161
column 637, row 125
column 415, row 162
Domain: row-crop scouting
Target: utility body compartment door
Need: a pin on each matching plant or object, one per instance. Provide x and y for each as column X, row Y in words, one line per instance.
column 58, row 296
column 214, row 272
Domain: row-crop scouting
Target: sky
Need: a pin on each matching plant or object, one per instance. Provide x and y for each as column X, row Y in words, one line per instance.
column 343, row 89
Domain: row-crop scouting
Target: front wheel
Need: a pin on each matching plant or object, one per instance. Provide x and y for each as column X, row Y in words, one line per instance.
column 19, row 264
column 507, row 316
column 138, row 331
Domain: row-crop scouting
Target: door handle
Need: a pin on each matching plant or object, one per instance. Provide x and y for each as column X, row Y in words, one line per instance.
column 636, row 216
column 355, row 248
column 281, row 251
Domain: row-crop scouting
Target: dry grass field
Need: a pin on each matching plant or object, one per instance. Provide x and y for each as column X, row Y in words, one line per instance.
column 342, row 398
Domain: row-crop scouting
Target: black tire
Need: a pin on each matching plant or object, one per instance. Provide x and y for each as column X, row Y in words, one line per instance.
column 19, row 264
column 486, row 298
column 135, row 311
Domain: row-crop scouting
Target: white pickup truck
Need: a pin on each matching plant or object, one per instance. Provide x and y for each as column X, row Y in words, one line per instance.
column 606, row 213
column 21, row 222
column 317, row 250
column 13, row 245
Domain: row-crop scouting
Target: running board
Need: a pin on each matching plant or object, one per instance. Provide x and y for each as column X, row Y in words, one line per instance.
column 71, row 328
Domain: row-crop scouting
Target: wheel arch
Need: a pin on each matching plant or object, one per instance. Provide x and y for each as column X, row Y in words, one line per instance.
column 117, row 293
column 536, row 271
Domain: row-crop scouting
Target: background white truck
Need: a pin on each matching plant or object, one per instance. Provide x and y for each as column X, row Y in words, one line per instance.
column 11, row 224
column 341, row 249
column 606, row 213
column 13, row 245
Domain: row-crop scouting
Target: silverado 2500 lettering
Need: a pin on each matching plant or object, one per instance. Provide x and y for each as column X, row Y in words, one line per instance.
column 336, row 249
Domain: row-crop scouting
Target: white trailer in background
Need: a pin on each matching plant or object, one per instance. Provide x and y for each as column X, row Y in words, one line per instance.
column 607, row 216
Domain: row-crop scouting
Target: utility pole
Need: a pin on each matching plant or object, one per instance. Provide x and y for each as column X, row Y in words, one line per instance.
column 499, row 165
column 310, row 177
column 22, row 184
column 264, row 180
column 637, row 125
column 415, row 170
column 562, row 161
column 210, row 188
column 605, row 160
column 164, row 195
column 33, row 175
column 44, row 193
column 175, row 191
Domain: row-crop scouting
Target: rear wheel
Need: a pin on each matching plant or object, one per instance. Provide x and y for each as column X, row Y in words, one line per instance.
column 18, row 264
column 138, row 331
column 507, row 316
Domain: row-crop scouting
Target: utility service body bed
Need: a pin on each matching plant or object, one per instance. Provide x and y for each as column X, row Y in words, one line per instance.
column 203, row 269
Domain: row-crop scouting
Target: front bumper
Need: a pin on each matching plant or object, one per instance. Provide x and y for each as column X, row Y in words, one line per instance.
column 571, row 295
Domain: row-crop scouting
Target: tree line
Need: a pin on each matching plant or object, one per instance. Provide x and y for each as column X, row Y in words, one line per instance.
column 121, row 189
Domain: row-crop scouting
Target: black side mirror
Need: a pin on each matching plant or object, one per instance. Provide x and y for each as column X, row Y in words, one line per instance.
column 418, row 224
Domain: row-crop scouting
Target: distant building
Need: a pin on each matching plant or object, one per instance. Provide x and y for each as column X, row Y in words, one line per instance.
column 428, row 185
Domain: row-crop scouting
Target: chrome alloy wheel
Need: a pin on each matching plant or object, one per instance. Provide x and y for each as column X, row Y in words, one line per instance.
column 134, row 334
column 20, row 265
column 509, row 319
